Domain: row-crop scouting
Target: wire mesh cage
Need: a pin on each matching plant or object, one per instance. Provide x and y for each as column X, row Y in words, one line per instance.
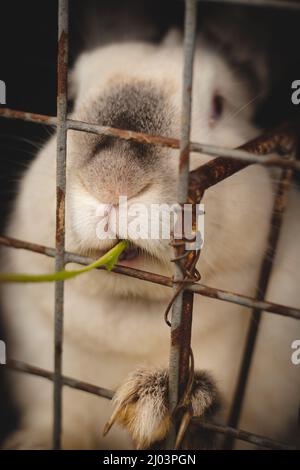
column 185, row 284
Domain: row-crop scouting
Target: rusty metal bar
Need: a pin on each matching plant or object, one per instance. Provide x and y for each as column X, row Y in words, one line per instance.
column 265, row 144
column 29, row 117
column 214, row 171
column 244, row 300
column 277, row 4
column 62, row 72
column 280, row 204
column 196, row 287
column 246, row 436
column 240, row 154
column 262, row 441
column 68, row 381
column 181, row 322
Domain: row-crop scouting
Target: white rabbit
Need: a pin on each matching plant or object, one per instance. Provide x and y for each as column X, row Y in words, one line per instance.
column 113, row 324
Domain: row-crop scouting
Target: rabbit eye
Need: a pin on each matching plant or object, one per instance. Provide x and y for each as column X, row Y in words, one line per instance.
column 217, row 109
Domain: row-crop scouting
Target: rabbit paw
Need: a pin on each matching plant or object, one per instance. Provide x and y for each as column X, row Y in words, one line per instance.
column 141, row 404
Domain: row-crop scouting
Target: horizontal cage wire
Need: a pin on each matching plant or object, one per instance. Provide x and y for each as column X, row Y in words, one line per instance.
column 262, row 441
column 280, row 4
column 195, row 287
column 191, row 187
column 214, row 151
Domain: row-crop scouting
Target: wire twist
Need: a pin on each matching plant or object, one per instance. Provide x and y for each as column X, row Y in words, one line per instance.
column 187, row 261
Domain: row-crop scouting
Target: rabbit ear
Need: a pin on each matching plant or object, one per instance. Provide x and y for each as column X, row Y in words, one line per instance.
column 230, row 29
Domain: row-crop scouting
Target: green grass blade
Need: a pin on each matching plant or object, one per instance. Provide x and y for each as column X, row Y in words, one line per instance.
column 108, row 260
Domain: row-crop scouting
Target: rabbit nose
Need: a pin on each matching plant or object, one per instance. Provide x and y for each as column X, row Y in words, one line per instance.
column 113, row 197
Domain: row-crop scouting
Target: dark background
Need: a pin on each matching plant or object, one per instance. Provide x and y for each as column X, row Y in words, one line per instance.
column 28, row 36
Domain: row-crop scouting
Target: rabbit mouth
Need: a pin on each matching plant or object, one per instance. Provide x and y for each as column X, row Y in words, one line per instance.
column 136, row 256
column 130, row 253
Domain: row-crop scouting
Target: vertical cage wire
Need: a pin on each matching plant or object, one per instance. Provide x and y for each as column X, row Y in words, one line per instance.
column 62, row 71
column 183, row 304
column 279, row 207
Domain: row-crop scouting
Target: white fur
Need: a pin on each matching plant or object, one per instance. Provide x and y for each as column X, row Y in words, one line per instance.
column 112, row 323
